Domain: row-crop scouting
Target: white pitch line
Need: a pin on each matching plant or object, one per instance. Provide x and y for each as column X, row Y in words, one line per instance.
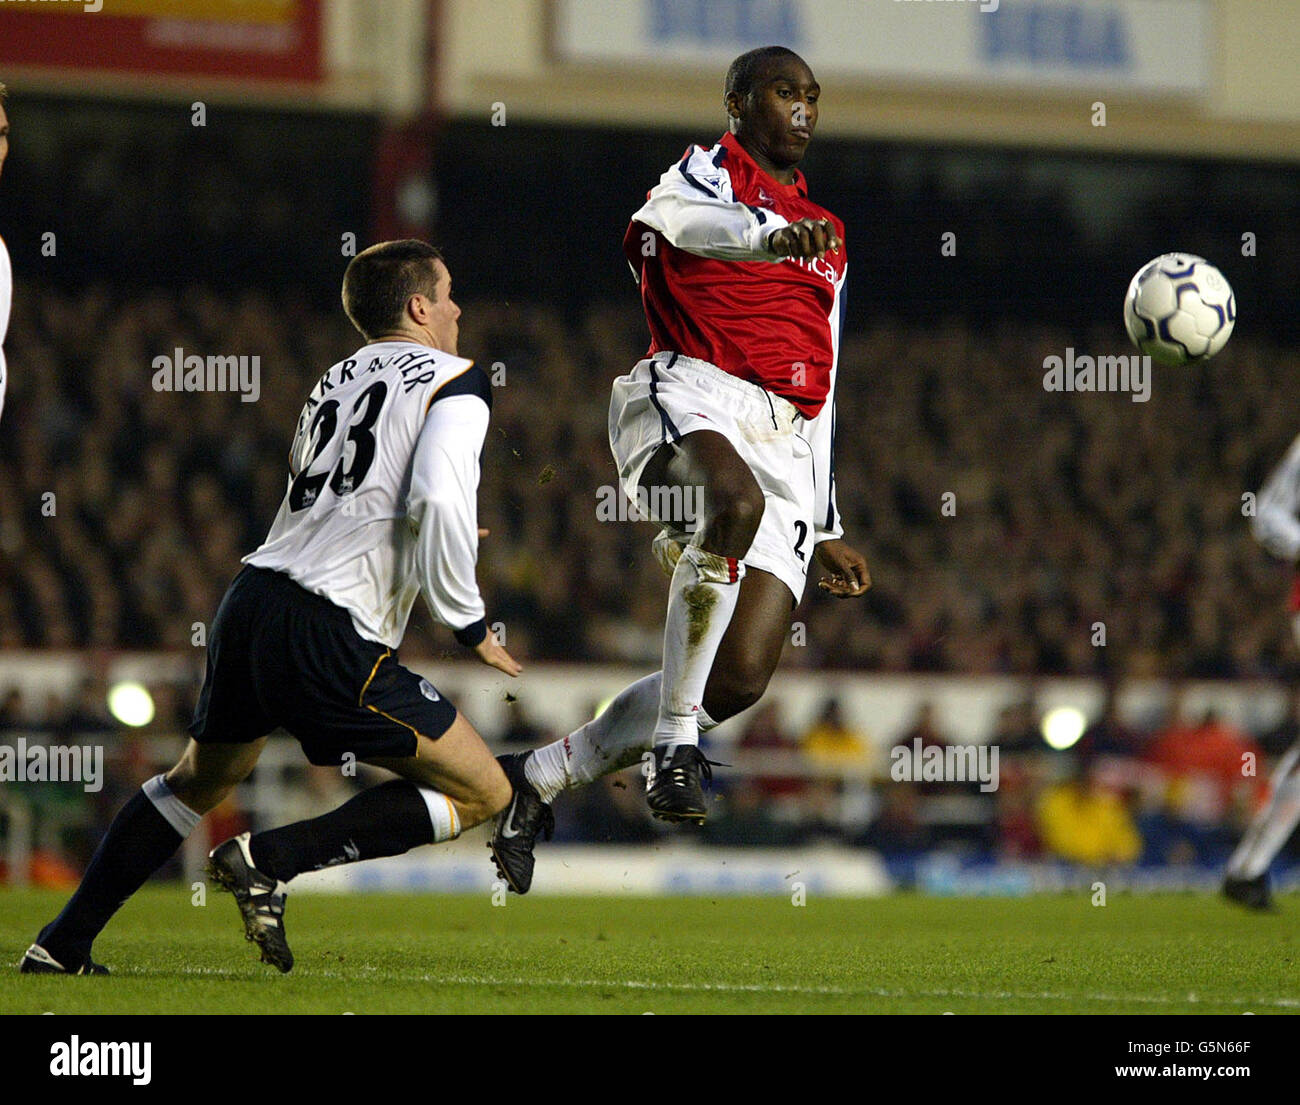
column 777, row 988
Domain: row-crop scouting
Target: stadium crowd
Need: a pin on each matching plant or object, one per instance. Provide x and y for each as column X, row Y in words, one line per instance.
column 1009, row 529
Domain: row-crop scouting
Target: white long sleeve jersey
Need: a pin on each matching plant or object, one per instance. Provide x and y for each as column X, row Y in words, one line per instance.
column 381, row 502
column 1277, row 514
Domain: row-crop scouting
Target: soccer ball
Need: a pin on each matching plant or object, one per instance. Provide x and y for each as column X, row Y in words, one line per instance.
column 1179, row 309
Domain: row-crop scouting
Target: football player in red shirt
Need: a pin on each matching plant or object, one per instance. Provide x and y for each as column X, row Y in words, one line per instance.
column 723, row 435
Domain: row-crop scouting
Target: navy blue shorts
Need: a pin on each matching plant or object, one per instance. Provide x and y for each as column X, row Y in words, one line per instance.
column 280, row 656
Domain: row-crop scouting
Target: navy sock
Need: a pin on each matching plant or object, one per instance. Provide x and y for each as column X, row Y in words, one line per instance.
column 137, row 843
column 386, row 820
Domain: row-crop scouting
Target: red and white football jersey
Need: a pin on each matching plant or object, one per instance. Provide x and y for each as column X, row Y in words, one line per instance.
column 713, row 290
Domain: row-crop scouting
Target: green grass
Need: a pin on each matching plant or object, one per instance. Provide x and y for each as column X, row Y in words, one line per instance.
column 1176, row 953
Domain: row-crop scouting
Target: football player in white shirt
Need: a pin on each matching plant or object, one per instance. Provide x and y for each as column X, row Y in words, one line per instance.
column 380, row 506
column 6, row 270
column 1277, row 527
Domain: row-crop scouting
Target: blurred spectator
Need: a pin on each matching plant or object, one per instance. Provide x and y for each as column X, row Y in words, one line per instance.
column 89, row 713
column 1016, row 826
column 1016, row 729
column 832, row 743
column 13, row 712
column 898, row 827
column 1080, row 822
column 924, row 728
column 1108, row 735
column 1209, row 751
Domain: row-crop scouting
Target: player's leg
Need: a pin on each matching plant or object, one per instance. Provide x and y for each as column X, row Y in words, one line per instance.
column 228, row 734
column 450, row 783
column 751, row 649
column 1246, row 881
column 459, row 767
column 146, row 833
column 393, row 719
column 623, row 732
column 702, row 598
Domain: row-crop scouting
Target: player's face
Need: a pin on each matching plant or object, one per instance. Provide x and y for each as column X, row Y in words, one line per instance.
column 4, row 136
column 780, row 114
column 443, row 312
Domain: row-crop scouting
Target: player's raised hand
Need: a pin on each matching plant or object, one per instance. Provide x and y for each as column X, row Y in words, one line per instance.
column 849, row 577
column 497, row 657
column 805, row 239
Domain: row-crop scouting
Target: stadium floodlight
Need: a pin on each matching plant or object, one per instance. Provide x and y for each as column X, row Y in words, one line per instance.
column 131, row 703
column 1063, row 726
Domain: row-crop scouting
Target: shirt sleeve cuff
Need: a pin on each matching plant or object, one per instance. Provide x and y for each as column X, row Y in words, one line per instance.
column 472, row 635
column 768, row 224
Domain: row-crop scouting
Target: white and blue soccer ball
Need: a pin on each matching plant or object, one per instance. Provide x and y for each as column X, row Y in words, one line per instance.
column 1179, row 309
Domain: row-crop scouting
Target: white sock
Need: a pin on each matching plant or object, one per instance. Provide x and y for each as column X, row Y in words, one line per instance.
column 175, row 812
column 442, row 814
column 1273, row 824
column 701, row 599
column 616, row 739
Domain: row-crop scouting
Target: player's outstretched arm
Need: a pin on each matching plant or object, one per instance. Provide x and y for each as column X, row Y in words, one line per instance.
column 442, row 506
column 1277, row 517
column 693, row 207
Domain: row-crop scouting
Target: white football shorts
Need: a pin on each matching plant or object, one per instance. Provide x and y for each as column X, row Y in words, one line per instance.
column 668, row 396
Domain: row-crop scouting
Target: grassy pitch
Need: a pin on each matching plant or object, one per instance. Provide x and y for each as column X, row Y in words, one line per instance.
column 1175, row 953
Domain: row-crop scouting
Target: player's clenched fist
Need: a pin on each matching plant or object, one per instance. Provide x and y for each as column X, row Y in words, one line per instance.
column 805, row 239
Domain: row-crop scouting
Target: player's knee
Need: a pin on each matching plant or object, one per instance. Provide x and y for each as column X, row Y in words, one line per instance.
column 734, row 518
column 486, row 802
column 200, row 795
